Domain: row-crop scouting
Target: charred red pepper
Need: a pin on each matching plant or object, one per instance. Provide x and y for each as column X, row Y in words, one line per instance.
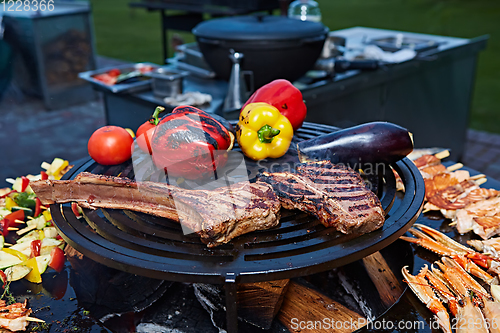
column 35, row 247
column 284, row 96
column 190, row 143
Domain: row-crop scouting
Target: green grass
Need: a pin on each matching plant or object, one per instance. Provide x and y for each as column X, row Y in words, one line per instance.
column 134, row 34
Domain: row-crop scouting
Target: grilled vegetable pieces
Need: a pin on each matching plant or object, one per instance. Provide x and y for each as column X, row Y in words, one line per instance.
column 190, row 143
column 29, row 243
column 263, row 132
column 360, row 145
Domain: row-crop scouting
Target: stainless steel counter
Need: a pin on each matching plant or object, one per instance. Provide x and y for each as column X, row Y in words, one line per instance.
column 430, row 95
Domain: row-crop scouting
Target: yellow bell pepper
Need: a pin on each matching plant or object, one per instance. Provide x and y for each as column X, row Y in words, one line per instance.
column 16, row 253
column 262, row 131
column 9, row 203
column 33, row 276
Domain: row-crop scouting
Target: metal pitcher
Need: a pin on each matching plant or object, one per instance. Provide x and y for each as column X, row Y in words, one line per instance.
column 238, row 92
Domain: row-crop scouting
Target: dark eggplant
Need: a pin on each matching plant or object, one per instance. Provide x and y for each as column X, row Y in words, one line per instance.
column 358, row 146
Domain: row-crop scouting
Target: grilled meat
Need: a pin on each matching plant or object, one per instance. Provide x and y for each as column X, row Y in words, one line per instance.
column 217, row 216
column 335, row 194
column 426, row 160
column 15, row 317
column 483, row 217
column 441, row 181
column 432, row 170
column 429, row 166
column 223, row 214
column 461, row 195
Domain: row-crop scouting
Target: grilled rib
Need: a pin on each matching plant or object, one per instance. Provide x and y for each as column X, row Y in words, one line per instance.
column 217, row 216
column 334, row 194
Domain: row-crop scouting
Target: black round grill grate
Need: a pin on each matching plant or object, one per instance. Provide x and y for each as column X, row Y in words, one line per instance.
column 156, row 247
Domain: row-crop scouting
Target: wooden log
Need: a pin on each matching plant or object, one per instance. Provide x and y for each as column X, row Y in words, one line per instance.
column 384, row 279
column 305, row 309
column 259, row 303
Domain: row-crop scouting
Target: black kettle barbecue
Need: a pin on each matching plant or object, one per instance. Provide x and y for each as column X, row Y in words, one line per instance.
column 275, row 47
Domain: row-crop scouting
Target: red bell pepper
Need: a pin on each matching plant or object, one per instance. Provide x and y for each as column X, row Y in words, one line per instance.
column 57, row 259
column 284, row 96
column 7, row 194
column 38, row 207
column 4, row 227
column 3, row 279
column 24, row 183
column 12, row 217
column 35, row 247
column 44, row 175
column 146, row 130
column 76, row 209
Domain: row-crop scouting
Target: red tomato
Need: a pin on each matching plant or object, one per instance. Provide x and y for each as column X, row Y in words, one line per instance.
column 110, row 145
column 105, row 78
column 74, row 208
column 57, row 259
column 114, row 72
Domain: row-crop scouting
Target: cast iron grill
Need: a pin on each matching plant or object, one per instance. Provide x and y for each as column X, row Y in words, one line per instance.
column 156, row 247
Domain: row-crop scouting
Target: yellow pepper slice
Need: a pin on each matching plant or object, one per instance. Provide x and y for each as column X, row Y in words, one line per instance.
column 16, row 253
column 33, row 276
column 9, row 203
column 262, row 131
column 47, row 215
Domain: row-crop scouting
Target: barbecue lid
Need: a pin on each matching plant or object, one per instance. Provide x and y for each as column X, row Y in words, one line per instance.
column 258, row 27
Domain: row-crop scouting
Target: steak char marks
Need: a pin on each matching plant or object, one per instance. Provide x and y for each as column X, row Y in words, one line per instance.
column 335, row 194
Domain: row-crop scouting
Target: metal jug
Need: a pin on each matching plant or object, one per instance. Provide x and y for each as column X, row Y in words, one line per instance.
column 238, row 92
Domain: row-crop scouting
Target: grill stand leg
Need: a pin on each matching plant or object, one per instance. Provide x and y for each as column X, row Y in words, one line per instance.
column 231, row 303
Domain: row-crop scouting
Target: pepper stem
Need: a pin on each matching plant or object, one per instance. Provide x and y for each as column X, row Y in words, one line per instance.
column 266, row 133
column 154, row 118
